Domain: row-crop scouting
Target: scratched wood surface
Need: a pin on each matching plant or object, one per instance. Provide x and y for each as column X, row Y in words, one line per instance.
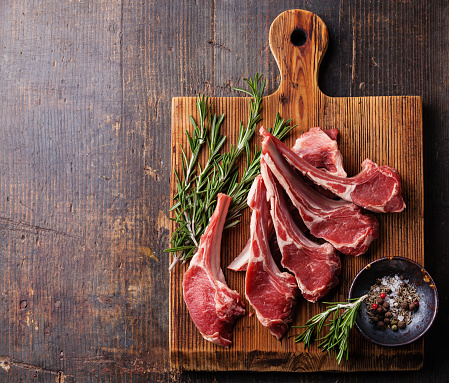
column 387, row 130
column 85, row 107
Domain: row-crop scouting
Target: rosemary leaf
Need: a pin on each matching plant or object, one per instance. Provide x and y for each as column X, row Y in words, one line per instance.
column 197, row 190
column 337, row 338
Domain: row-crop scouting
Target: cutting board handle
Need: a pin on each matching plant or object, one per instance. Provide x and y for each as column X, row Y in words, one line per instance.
column 298, row 40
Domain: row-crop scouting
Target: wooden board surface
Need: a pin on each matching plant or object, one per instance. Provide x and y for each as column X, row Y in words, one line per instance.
column 387, row 130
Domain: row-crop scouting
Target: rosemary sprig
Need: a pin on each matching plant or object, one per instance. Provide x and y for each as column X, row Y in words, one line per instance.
column 198, row 187
column 239, row 191
column 339, row 326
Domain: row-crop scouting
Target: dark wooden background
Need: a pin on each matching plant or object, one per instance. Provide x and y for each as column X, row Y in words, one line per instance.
column 85, row 168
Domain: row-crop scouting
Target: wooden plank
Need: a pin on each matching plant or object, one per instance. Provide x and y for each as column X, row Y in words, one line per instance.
column 386, row 129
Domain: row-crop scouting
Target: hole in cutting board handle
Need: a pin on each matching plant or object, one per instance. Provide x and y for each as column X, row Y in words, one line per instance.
column 298, row 37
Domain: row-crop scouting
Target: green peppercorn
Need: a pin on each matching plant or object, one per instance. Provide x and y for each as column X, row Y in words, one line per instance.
column 394, row 321
column 394, row 327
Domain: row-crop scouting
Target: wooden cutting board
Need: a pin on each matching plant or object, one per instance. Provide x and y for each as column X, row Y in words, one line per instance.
column 387, row 130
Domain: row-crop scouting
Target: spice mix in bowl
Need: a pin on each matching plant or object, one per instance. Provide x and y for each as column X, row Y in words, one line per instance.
column 401, row 302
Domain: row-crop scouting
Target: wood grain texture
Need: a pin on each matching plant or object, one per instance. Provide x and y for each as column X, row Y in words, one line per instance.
column 86, row 83
column 387, row 130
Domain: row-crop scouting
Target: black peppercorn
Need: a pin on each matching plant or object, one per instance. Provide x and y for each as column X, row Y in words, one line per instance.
column 404, row 305
column 379, row 310
column 388, row 315
column 387, row 320
column 380, row 325
column 386, row 305
column 412, row 307
column 401, row 324
column 374, row 319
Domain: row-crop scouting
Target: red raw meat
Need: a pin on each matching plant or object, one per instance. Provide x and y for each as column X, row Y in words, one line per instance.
column 340, row 223
column 271, row 293
column 315, row 266
column 213, row 306
column 332, row 133
column 319, row 149
column 376, row 188
column 240, row 263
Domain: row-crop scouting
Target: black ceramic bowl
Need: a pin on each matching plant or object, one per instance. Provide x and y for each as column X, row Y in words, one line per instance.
column 422, row 318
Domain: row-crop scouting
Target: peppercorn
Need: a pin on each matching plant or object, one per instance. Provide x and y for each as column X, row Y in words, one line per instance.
column 380, row 317
column 394, row 327
column 404, row 305
column 388, row 314
column 380, row 325
column 401, row 324
column 395, row 304
column 380, row 310
column 379, row 301
column 412, row 307
column 394, row 321
column 386, row 305
column 383, row 295
column 374, row 306
column 374, row 319
column 387, row 320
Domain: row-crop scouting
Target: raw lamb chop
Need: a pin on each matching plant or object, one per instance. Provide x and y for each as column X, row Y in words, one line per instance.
column 213, row 306
column 271, row 293
column 320, row 150
column 376, row 188
column 315, row 266
column 340, row 223
column 332, row 133
column 240, row 263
